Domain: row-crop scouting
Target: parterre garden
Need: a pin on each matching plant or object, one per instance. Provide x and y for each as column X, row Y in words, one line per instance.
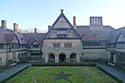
column 62, row 74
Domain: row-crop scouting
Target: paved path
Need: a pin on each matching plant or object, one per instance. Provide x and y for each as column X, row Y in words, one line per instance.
column 113, row 71
column 12, row 71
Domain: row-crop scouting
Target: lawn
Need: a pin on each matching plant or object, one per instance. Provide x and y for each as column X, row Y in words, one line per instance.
column 62, row 74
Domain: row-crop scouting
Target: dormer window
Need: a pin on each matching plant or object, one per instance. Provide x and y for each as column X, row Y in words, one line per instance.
column 61, row 35
column 84, row 36
column 1, row 46
column 35, row 46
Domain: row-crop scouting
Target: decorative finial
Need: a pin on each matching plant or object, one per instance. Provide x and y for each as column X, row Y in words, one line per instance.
column 62, row 10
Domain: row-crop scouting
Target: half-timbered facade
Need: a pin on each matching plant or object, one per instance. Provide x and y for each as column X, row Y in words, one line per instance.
column 64, row 43
column 12, row 45
column 116, row 49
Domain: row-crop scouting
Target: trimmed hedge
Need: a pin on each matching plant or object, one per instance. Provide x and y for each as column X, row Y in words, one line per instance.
column 66, row 64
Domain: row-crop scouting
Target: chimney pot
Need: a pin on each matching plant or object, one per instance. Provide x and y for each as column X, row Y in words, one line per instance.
column 49, row 27
column 74, row 20
column 35, row 30
column 3, row 23
column 15, row 27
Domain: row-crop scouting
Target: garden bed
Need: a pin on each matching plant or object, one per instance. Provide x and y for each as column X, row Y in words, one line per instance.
column 62, row 74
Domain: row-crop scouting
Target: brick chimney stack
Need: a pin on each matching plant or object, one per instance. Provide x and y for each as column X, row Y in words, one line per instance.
column 96, row 23
column 3, row 23
column 35, row 30
column 95, row 20
column 15, row 27
column 74, row 20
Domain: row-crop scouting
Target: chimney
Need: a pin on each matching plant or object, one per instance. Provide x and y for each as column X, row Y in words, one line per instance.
column 3, row 23
column 96, row 21
column 35, row 30
column 74, row 20
column 49, row 27
column 15, row 27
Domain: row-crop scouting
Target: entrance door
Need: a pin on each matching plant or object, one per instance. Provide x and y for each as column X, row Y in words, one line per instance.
column 62, row 58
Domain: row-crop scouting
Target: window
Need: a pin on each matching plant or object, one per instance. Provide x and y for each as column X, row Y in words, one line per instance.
column 1, row 46
column 84, row 36
column 67, row 45
column 15, row 45
column 0, row 60
column 35, row 46
column 22, row 46
column 61, row 35
column 91, row 43
column 56, row 45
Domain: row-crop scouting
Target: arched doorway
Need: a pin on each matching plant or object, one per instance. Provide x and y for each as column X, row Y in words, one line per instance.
column 73, row 57
column 62, row 58
column 51, row 58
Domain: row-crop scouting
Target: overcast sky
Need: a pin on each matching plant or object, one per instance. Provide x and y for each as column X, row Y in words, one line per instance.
column 41, row 13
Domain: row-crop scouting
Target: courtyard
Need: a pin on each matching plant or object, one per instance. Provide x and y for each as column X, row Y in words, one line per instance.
column 63, row 52
column 61, row 74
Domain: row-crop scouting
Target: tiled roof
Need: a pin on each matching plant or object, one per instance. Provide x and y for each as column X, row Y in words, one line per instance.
column 112, row 37
column 107, row 34
column 9, row 37
column 121, row 30
column 115, row 33
column 88, row 35
column 6, row 35
column 30, row 37
column 21, row 38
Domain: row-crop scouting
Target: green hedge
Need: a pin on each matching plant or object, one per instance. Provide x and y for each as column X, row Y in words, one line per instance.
column 66, row 64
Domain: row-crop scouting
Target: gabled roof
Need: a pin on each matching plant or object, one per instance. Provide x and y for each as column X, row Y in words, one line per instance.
column 62, row 22
column 7, row 36
column 120, row 38
column 30, row 37
column 35, row 42
column 121, row 30
column 121, row 34
column 61, row 25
